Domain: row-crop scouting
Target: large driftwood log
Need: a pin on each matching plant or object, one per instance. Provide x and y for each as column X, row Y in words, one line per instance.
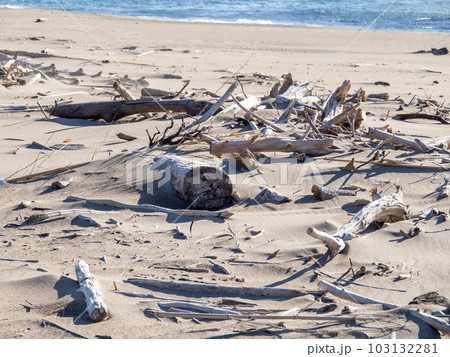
column 217, row 289
column 295, row 91
column 273, row 144
column 389, row 208
column 201, row 185
column 111, row 111
column 353, row 117
column 89, row 287
column 153, row 208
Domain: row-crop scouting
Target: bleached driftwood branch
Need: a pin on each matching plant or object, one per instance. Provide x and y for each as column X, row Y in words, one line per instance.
column 153, row 208
column 89, row 287
column 273, row 144
column 353, row 297
column 217, row 289
column 389, row 209
column 433, row 321
column 445, row 190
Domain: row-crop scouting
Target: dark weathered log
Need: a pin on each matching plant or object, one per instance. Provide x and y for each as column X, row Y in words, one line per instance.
column 126, row 94
column 201, row 185
column 115, row 110
column 273, row 144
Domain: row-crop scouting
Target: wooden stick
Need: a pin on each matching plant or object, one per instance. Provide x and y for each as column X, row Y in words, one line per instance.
column 126, row 137
column 435, row 322
column 421, row 116
column 258, row 117
column 353, row 297
column 152, row 296
column 313, row 127
column 196, row 307
column 89, row 287
column 42, row 110
column 250, row 316
column 217, row 289
column 74, row 334
column 43, row 174
column 153, row 208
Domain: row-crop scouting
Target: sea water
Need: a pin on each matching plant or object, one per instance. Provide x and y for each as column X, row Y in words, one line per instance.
column 402, row 15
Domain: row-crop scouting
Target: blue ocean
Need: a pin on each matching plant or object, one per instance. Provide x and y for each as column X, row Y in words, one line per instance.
column 401, row 15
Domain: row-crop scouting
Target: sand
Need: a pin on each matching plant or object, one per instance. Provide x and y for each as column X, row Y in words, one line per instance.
column 38, row 282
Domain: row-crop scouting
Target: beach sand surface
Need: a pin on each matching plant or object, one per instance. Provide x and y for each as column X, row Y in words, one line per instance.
column 89, row 52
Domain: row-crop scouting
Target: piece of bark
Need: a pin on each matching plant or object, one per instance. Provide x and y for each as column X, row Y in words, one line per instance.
column 421, row 116
column 114, row 110
column 126, row 137
column 353, row 297
column 269, row 195
column 201, row 185
column 89, row 287
column 217, row 289
column 272, row 144
column 153, row 208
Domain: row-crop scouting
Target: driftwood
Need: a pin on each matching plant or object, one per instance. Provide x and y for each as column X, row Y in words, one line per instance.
column 89, row 287
column 334, row 103
column 323, row 193
column 353, row 297
column 152, row 92
column 153, row 208
column 196, row 307
column 435, row 322
column 389, row 208
column 295, row 91
column 353, row 117
column 394, row 139
column 269, row 195
column 445, row 190
column 201, row 185
column 258, row 117
column 114, row 110
column 273, row 144
column 126, row 95
column 44, row 174
column 217, row 289
column 126, row 137
column 421, row 116
column 190, row 315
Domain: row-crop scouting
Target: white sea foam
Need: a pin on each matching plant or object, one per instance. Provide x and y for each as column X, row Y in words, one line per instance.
column 11, row 7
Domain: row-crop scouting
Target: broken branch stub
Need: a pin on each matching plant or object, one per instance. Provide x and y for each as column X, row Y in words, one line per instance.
column 201, row 185
column 89, row 287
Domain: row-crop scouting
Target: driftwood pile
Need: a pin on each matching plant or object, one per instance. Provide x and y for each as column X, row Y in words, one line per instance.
column 305, row 126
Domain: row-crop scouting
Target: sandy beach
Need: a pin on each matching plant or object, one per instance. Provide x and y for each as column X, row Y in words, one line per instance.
column 263, row 244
